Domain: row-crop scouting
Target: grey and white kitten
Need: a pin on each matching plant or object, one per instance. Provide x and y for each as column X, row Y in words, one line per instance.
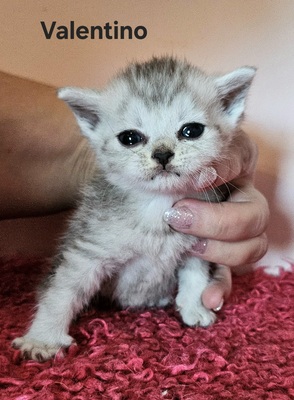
column 156, row 128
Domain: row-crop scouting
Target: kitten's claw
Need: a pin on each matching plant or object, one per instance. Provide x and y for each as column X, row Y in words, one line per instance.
column 32, row 349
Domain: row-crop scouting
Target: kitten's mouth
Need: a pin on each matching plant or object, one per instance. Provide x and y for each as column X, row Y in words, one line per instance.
column 164, row 173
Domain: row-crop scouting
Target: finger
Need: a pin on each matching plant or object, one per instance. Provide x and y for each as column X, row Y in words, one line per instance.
column 227, row 221
column 214, row 295
column 241, row 162
column 231, row 254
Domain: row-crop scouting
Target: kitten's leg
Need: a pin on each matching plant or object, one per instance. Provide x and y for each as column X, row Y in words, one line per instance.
column 193, row 279
column 75, row 281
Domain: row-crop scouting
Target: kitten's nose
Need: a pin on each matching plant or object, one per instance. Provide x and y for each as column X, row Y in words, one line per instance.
column 162, row 157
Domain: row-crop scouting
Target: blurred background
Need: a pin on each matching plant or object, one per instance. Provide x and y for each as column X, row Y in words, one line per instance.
column 216, row 35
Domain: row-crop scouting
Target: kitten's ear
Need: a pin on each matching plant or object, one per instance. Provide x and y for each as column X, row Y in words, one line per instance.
column 85, row 105
column 233, row 89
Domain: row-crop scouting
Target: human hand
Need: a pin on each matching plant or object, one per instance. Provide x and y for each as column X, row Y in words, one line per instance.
column 230, row 233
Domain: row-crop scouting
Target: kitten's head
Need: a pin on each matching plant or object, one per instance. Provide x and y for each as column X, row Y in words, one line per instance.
column 159, row 123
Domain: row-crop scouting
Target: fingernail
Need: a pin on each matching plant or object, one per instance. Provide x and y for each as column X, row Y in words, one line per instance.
column 219, row 307
column 200, row 246
column 180, row 217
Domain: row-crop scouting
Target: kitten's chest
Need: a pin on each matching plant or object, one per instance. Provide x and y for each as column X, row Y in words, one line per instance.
column 126, row 225
column 153, row 234
column 150, row 212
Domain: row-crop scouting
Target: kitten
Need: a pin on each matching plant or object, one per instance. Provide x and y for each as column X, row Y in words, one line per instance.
column 156, row 128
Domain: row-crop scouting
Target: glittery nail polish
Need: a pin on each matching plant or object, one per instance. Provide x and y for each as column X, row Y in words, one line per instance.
column 180, row 217
column 200, row 246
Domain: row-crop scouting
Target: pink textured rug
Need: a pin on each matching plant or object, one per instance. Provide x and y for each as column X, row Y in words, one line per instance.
column 126, row 355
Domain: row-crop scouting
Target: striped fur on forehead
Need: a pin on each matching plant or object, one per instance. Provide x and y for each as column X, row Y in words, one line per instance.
column 159, row 80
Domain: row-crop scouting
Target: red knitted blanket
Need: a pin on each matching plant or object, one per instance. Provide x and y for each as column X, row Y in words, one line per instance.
column 134, row 355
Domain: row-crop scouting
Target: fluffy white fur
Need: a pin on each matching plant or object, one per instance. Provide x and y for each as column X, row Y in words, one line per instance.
column 117, row 243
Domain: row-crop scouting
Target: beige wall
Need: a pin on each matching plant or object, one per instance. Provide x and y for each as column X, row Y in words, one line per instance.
column 217, row 35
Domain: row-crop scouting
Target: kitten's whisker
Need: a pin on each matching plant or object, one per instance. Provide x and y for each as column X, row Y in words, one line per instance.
column 225, row 161
column 226, row 184
column 230, row 186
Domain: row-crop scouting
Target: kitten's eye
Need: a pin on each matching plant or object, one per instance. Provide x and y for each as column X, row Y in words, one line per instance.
column 191, row 131
column 131, row 138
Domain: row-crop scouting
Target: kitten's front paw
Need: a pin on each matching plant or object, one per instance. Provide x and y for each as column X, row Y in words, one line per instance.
column 195, row 314
column 32, row 349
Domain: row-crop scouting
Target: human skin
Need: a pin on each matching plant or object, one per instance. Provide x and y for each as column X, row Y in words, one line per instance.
column 43, row 157
column 44, row 160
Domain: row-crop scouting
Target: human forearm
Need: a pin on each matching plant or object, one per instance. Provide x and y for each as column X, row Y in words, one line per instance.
column 43, row 157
